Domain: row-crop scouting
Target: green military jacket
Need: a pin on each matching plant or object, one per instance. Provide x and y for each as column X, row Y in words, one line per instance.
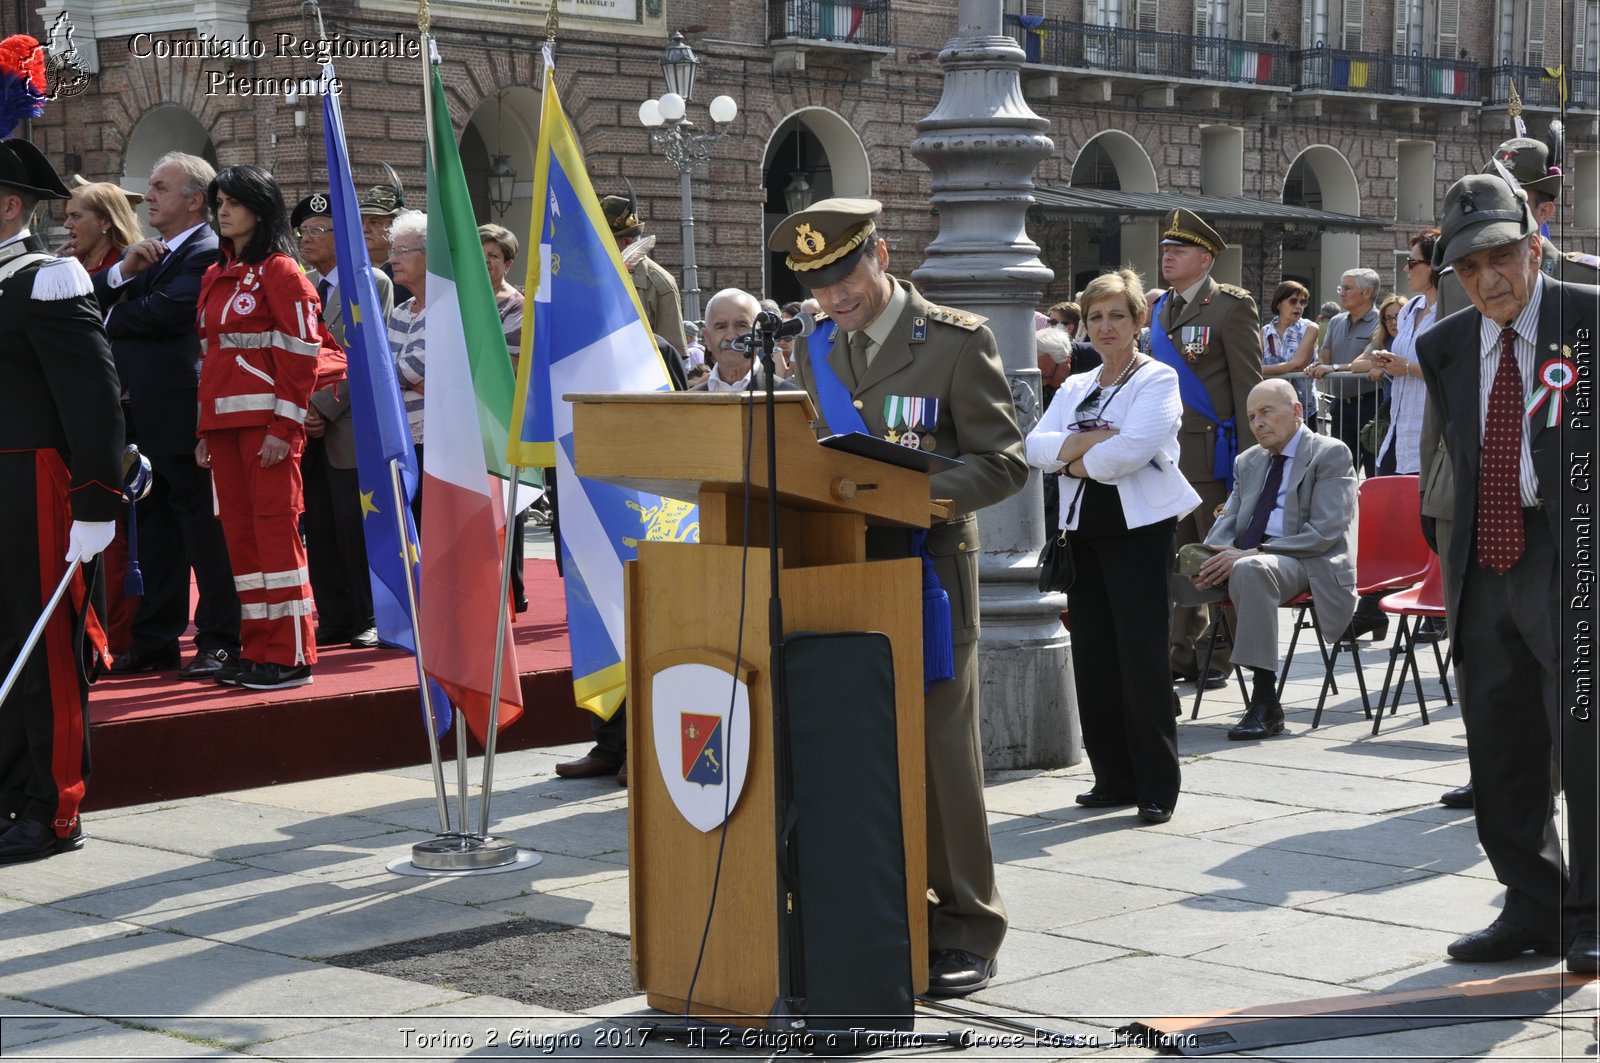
column 1219, row 335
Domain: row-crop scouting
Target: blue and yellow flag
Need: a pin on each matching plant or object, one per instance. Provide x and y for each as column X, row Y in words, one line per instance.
column 586, row 332
column 377, row 412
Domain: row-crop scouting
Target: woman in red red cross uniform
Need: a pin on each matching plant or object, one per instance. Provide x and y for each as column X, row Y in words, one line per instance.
column 265, row 350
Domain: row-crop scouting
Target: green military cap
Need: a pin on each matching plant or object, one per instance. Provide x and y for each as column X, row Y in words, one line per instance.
column 1481, row 211
column 825, row 241
column 382, row 200
column 1529, row 162
column 1187, row 227
column 622, row 214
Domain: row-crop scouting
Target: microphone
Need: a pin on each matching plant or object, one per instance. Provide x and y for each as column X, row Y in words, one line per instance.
column 799, row 325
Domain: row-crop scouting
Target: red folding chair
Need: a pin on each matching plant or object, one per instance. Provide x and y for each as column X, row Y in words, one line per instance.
column 1410, row 608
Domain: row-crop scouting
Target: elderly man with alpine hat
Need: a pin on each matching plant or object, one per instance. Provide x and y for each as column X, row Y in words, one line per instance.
column 893, row 365
column 60, row 476
column 1496, row 373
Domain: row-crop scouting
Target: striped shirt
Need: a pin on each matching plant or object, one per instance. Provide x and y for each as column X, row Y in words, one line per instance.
column 1527, row 350
column 408, row 338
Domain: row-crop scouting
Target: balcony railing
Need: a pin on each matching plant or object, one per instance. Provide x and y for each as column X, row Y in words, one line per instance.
column 1379, row 74
column 1537, row 89
column 861, row 23
column 1116, row 49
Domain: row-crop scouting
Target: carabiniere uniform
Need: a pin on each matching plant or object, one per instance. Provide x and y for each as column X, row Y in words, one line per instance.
column 61, row 438
column 935, row 383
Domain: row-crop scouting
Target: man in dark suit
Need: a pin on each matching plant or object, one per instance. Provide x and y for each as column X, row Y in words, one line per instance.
column 60, row 471
column 336, row 547
column 1282, row 533
column 149, row 298
column 919, row 374
column 1523, row 491
column 1210, row 334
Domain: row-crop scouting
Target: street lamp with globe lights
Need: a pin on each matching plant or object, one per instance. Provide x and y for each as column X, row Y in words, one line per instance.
column 672, row 132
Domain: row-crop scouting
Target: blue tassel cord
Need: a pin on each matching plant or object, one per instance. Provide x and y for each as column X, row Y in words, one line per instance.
column 938, row 634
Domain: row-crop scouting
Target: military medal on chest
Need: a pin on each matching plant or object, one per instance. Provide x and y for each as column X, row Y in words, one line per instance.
column 1192, row 340
column 911, row 420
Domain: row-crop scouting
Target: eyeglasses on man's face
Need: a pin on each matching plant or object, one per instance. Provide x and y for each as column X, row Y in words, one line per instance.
column 314, row 230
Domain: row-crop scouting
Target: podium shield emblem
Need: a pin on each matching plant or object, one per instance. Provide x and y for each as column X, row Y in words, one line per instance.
column 701, row 718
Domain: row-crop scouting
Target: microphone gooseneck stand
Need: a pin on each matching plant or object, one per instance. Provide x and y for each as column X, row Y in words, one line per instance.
column 787, row 1024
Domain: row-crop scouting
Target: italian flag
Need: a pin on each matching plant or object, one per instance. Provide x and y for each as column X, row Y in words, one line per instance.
column 467, row 406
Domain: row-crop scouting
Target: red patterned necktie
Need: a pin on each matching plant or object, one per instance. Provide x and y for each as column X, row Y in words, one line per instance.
column 1499, row 477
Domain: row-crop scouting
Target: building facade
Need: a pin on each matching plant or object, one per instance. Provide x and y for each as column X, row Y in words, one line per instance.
column 1319, row 133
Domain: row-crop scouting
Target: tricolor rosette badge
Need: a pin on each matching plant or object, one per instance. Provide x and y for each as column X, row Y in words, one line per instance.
column 1555, row 376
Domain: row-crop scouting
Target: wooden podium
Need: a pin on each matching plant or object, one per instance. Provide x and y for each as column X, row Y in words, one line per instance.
column 683, row 606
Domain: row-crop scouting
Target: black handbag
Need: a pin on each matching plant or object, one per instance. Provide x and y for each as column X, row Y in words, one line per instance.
column 1057, row 570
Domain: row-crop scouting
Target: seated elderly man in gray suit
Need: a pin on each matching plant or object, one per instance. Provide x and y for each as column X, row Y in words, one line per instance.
column 1284, row 531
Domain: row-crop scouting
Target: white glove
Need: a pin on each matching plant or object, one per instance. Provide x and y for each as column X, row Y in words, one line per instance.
column 89, row 537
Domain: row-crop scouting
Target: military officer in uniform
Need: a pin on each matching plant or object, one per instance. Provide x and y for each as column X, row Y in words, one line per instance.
column 1533, row 164
column 60, row 471
column 1210, row 334
column 658, row 292
column 885, row 342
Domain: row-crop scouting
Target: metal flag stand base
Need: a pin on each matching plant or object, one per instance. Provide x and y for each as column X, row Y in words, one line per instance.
column 455, row 851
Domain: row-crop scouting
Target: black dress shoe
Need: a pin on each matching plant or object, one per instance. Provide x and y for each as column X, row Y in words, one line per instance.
column 1501, row 940
column 1360, row 627
column 1584, row 955
column 1432, row 629
column 622, row 776
column 30, row 839
column 1263, row 719
column 205, row 665
column 1460, row 797
column 1149, row 812
column 136, row 660
column 365, row 639
column 588, row 767
column 1092, row 798
column 1215, row 679
column 956, row 972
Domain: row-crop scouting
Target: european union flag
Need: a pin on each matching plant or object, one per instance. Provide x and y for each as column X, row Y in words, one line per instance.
column 382, row 434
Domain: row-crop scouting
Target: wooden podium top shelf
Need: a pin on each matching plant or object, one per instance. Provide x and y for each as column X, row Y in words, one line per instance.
column 678, row 444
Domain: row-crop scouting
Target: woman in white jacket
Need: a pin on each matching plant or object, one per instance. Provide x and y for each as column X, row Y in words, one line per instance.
column 1112, row 435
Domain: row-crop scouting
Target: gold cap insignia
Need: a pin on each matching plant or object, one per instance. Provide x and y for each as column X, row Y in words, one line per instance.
column 808, row 241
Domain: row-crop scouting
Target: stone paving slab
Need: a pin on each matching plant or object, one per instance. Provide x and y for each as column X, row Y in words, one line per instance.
column 597, row 906
column 102, row 866
column 351, row 795
column 39, row 930
column 1190, row 925
column 286, row 914
column 23, row 1022
column 1453, row 903
column 216, row 829
column 1047, row 899
column 209, row 990
column 1401, row 842
column 110, row 1040
column 1306, row 789
column 1334, row 948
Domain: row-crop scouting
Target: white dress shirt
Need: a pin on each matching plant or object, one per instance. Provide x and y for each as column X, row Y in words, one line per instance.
column 1526, row 347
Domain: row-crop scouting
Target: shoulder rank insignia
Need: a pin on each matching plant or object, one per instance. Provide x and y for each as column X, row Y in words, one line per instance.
column 1592, row 261
column 959, row 318
column 1233, row 290
column 919, row 329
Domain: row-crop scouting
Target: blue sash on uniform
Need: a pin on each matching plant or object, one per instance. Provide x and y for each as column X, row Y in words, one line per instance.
column 839, row 410
column 1195, row 396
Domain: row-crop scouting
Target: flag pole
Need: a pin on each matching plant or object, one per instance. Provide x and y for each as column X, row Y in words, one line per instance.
column 424, row 23
column 502, row 617
column 406, row 547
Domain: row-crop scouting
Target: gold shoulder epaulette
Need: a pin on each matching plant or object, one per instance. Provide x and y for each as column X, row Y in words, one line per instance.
column 1233, row 290
column 959, row 318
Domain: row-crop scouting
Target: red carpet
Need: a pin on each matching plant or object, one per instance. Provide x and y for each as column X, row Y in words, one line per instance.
column 155, row 737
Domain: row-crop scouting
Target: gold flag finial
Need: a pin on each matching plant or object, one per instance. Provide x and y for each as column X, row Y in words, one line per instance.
column 551, row 24
column 1513, row 102
column 424, row 19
